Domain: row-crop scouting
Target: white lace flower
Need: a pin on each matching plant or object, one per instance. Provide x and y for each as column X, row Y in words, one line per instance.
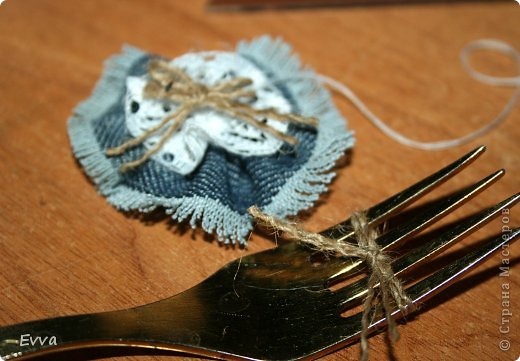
column 185, row 149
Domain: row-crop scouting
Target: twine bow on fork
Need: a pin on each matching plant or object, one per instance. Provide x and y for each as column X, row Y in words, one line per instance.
column 172, row 85
column 379, row 264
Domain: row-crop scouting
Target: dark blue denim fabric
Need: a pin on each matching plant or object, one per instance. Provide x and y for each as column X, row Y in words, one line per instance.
column 235, row 181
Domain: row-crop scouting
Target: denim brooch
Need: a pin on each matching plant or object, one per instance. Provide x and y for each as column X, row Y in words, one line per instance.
column 209, row 134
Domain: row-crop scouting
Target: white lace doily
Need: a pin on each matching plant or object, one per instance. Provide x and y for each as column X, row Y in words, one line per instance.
column 184, row 151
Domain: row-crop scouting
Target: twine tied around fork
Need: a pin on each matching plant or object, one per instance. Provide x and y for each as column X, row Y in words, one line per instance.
column 368, row 250
column 172, row 85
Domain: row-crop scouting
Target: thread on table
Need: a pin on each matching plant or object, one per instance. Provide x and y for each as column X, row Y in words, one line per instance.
column 482, row 44
column 378, row 262
column 173, row 85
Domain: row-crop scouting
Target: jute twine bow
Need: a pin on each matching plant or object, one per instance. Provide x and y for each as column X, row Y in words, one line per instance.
column 381, row 273
column 172, row 85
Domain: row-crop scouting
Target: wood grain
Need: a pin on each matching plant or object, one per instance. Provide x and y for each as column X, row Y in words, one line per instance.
column 64, row 250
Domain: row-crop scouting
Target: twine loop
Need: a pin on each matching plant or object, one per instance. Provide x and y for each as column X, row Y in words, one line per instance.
column 172, row 85
column 367, row 249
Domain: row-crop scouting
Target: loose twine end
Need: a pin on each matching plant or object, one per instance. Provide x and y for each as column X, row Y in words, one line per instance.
column 172, row 85
column 379, row 264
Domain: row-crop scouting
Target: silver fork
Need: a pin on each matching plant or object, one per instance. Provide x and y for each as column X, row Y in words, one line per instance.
column 276, row 304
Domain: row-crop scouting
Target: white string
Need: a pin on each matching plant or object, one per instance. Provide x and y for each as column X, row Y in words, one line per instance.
column 482, row 44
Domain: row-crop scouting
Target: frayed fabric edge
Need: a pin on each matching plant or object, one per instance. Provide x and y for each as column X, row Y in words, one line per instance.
column 301, row 190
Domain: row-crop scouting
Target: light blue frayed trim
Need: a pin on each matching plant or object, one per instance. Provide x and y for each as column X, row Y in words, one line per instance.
column 299, row 192
column 81, row 134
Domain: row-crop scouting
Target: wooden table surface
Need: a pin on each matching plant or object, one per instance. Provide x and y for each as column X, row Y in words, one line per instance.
column 64, row 250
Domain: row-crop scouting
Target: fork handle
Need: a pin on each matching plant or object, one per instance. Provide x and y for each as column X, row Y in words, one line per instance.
column 55, row 334
column 116, row 328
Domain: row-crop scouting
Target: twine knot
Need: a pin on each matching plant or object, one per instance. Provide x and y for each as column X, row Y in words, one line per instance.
column 367, row 249
column 172, row 85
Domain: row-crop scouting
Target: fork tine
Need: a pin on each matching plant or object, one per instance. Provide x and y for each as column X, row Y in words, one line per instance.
column 396, row 236
column 443, row 278
column 433, row 284
column 413, row 259
column 383, row 210
column 393, row 238
column 441, row 243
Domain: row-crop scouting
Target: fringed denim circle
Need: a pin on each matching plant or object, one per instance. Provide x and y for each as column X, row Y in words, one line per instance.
column 218, row 192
